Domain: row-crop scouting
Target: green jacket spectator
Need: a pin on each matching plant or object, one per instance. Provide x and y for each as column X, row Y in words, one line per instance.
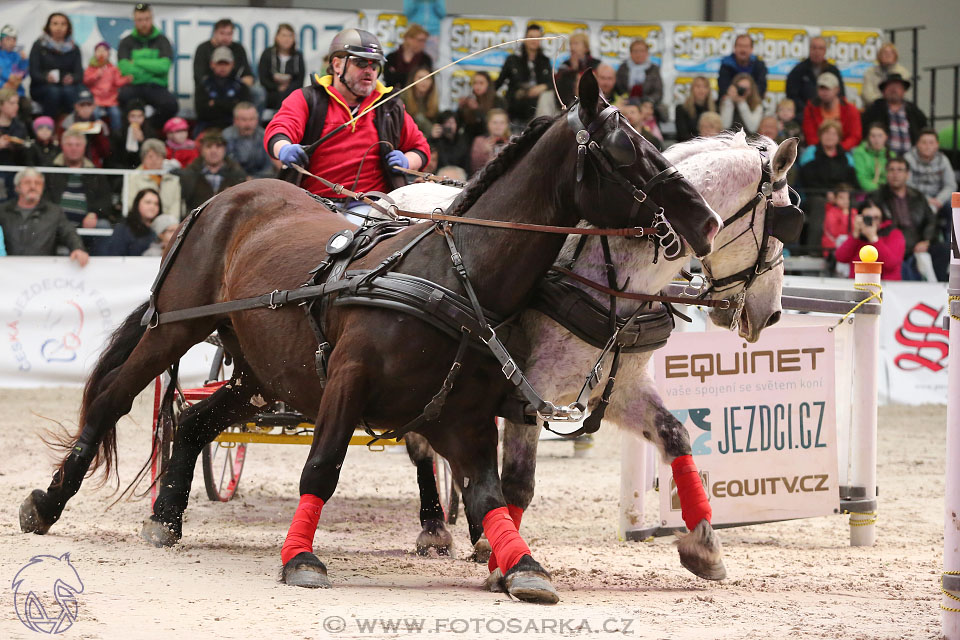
column 146, row 58
column 870, row 165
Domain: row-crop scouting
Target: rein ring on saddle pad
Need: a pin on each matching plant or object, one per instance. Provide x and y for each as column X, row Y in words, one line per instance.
column 669, row 239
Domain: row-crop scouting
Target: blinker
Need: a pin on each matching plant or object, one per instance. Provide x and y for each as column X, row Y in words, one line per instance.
column 786, row 222
column 619, row 148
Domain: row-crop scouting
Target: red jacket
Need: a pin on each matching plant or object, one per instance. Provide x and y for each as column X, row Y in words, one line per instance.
column 836, row 223
column 338, row 160
column 104, row 83
column 849, row 121
column 889, row 245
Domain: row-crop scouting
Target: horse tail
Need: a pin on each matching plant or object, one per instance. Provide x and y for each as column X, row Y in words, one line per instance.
column 119, row 347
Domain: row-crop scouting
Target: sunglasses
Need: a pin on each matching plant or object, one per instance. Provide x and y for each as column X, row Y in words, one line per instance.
column 142, row 6
column 363, row 63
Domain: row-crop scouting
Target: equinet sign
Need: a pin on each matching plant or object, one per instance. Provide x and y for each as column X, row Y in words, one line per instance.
column 705, row 365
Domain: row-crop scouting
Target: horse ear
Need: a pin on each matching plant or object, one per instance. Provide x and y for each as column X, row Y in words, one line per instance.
column 589, row 92
column 785, row 156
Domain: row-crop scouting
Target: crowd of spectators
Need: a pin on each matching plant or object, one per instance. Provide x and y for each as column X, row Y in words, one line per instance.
column 872, row 175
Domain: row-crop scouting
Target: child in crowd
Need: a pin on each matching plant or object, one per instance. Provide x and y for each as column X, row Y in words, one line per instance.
column 648, row 121
column 836, row 220
column 179, row 146
column 44, row 147
column 104, row 80
column 787, row 122
column 164, row 226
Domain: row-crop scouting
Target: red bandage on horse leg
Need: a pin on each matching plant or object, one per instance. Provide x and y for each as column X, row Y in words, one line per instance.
column 304, row 525
column 694, row 505
column 508, row 546
column 516, row 513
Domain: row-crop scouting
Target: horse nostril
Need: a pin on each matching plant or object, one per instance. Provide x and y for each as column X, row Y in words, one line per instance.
column 711, row 228
column 773, row 319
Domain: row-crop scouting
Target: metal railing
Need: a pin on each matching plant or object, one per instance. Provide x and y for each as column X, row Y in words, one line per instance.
column 955, row 115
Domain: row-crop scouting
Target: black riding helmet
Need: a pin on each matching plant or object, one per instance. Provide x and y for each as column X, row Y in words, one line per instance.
column 356, row 43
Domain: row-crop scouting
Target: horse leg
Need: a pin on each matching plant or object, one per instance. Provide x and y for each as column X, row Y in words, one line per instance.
column 435, row 534
column 200, row 424
column 341, row 409
column 641, row 411
column 132, row 359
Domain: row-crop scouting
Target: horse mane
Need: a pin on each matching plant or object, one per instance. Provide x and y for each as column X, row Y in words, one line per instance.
column 494, row 169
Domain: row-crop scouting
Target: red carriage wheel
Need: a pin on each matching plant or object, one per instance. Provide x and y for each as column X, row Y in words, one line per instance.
column 222, row 466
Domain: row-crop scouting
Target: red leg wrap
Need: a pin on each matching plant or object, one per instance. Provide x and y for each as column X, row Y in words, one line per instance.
column 508, row 546
column 302, row 529
column 694, row 505
column 516, row 513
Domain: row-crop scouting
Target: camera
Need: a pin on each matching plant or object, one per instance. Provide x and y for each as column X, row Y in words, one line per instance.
column 869, row 220
column 741, row 91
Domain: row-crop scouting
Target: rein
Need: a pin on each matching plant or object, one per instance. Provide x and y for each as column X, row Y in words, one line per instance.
column 642, row 297
column 432, row 177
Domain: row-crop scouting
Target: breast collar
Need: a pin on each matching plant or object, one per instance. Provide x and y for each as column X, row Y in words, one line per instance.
column 612, row 150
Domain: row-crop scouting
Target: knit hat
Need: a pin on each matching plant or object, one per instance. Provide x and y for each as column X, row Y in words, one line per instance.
column 175, row 124
column 43, row 121
column 102, row 43
column 163, row 222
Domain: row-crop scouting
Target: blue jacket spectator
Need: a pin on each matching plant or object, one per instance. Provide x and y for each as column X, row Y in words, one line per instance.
column 742, row 60
column 245, row 142
column 13, row 63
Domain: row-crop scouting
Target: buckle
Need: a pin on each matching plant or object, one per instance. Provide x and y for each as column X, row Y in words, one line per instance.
column 510, row 366
column 272, row 303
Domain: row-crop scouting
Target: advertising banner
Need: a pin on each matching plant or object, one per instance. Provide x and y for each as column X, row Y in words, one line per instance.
column 761, row 419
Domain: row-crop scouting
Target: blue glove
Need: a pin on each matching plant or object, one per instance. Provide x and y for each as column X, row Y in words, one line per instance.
column 293, row 154
column 396, row 159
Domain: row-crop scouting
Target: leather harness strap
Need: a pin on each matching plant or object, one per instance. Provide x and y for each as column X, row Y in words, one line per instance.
column 643, row 297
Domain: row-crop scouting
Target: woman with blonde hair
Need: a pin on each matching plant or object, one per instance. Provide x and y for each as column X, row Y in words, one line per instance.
column 570, row 69
column 408, row 57
column 421, row 101
column 741, row 106
column 699, row 101
column 887, row 62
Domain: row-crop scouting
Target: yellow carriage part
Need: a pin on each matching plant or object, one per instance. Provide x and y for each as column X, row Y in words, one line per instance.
column 303, row 434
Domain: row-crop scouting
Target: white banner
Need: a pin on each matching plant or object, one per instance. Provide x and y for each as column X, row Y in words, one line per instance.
column 56, row 317
column 761, row 420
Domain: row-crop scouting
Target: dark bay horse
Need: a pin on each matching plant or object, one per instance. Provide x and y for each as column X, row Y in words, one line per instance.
column 385, row 365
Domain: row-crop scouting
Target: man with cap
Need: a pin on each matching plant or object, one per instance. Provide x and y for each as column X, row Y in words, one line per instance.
column 83, row 118
column 219, row 92
column 350, row 89
column 831, row 105
column 146, row 55
column 802, row 79
column 211, row 173
column 902, row 118
column 222, row 36
column 13, row 63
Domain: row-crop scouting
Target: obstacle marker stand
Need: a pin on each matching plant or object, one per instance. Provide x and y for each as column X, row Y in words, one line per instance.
column 950, row 580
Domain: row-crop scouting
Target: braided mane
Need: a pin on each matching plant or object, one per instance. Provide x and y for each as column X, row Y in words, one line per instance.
column 497, row 167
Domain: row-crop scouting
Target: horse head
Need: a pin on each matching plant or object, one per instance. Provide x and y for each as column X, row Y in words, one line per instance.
column 619, row 173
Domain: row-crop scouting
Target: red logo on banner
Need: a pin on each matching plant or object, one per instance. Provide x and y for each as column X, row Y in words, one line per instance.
column 920, row 336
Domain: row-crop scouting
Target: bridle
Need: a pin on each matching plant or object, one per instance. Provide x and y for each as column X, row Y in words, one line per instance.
column 783, row 222
column 612, row 150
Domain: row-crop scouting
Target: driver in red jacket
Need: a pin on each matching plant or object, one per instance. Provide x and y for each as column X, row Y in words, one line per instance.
column 381, row 138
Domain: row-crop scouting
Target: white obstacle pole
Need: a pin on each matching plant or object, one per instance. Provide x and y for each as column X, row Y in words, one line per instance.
column 951, row 531
column 633, row 485
column 863, row 458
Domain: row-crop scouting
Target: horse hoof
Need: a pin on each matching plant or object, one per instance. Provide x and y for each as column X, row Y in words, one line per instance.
column 481, row 551
column 30, row 519
column 434, row 536
column 305, row 570
column 494, row 581
column 530, row 582
column 701, row 553
column 158, row 534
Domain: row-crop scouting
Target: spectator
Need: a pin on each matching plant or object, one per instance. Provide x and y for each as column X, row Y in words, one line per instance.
column 887, row 63
column 910, row 213
column 453, row 172
column 770, row 127
column 902, row 119
column 570, row 69
column 830, row 105
column 282, row 69
column 133, row 236
column 14, row 65
column 803, row 78
column 526, row 75
column 152, row 154
column 84, row 120
column 219, row 92
column 823, row 168
column 164, row 227
column 741, row 105
column 871, row 227
column 33, row 226
column 56, row 69
column 211, row 173
column 742, row 61
column 222, row 37
column 180, row 148
column 870, row 158
column 245, row 142
column 125, row 143
column 13, row 135
column 146, row 55
column 86, row 199
column 787, row 124
column 421, row 101
column 473, row 109
column 607, row 81
column 638, row 76
column 836, row 220
column 709, row 124
column 44, row 148
column 647, row 118
column 431, row 166
column 485, row 148
column 930, row 172
column 104, row 81
column 453, row 147
column 699, row 101
column 408, row 57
